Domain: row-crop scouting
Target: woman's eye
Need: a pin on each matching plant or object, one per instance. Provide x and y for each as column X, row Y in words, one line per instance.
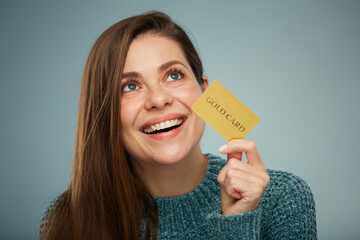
column 130, row 87
column 174, row 76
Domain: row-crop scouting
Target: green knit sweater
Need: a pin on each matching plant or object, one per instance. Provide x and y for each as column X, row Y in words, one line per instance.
column 286, row 211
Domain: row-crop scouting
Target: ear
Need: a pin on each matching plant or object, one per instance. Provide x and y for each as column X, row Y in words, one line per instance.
column 205, row 85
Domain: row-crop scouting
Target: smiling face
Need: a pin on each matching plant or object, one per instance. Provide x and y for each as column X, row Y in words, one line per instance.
column 158, row 89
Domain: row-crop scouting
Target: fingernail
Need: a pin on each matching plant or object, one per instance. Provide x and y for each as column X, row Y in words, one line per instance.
column 222, row 148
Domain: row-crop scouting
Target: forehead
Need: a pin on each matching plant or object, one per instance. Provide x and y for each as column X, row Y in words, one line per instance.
column 148, row 51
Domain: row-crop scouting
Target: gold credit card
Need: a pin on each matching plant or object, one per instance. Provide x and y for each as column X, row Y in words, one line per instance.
column 224, row 112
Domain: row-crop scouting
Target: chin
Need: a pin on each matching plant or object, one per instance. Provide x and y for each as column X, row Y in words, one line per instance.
column 169, row 156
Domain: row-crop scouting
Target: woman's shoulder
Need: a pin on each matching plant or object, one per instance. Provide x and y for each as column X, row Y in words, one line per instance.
column 283, row 180
column 288, row 207
column 287, row 189
column 48, row 213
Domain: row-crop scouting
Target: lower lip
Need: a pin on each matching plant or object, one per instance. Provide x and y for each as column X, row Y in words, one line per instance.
column 166, row 135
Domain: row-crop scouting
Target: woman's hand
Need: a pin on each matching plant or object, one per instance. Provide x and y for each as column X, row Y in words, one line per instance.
column 242, row 184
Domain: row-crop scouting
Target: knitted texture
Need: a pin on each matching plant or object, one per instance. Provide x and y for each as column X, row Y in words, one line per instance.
column 286, row 211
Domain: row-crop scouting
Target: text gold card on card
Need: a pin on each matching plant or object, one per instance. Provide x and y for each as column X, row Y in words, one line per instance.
column 224, row 112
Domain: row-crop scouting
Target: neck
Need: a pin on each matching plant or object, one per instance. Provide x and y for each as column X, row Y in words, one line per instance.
column 175, row 179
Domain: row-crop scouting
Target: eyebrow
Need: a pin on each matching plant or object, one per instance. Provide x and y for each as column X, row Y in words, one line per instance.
column 162, row 68
column 130, row 75
column 168, row 64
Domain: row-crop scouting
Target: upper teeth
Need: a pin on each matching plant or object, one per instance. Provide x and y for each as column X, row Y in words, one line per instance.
column 163, row 125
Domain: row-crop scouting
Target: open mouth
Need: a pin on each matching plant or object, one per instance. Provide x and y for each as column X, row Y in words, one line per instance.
column 165, row 126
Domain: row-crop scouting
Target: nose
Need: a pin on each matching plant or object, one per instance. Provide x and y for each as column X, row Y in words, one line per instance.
column 158, row 98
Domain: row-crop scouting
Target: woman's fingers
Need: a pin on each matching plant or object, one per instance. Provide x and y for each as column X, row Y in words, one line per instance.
column 236, row 155
column 241, row 194
column 242, row 184
column 233, row 165
column 235, row 171
column 236, row 147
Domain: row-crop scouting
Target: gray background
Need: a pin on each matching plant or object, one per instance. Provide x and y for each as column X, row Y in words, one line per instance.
column 296, row 64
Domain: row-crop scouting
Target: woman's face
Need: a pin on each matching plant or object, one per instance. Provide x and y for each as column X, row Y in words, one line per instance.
column 158, row 89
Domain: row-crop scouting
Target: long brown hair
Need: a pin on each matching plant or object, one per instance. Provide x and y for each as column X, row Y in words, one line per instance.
column 105, row 199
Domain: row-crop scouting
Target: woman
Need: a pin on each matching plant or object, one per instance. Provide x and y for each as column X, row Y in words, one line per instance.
column 139, row 171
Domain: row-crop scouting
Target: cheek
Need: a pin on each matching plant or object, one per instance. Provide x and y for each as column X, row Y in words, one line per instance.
column 189, row 94
column 128, row 114
column 124, row 112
